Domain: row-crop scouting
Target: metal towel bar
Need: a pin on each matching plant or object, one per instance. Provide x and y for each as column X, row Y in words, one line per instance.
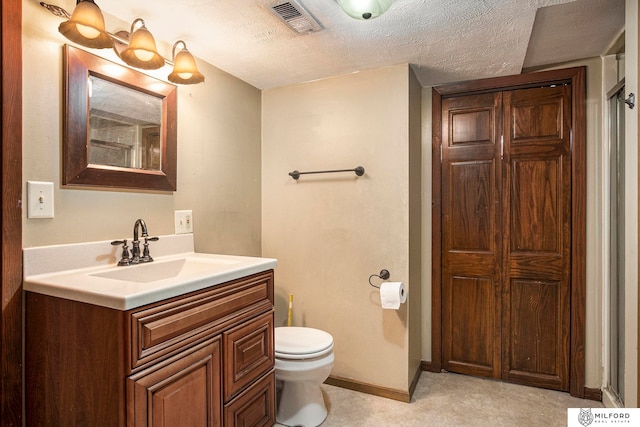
column 358, row 170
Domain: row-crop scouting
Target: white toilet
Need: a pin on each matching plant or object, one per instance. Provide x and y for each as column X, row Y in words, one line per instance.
column 304, row 358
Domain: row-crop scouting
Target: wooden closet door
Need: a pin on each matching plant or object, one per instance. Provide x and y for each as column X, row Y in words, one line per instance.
column 471, row 234
column 537, row 236
column 506, row 235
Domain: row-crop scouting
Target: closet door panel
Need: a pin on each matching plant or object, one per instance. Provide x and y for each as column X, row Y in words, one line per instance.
column 471, row 176
column 530, row 330
column 472, row 309
column 537, row 236
column 472, row 228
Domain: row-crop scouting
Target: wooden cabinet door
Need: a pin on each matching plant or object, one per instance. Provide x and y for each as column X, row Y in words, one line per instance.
column 506, row 235
column 184, row 391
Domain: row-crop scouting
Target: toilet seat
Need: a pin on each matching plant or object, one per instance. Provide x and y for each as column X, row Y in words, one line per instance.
column 294, row 342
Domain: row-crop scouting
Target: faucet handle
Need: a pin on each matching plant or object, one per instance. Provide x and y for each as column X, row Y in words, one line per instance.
column 145, row 250
column 125, row 252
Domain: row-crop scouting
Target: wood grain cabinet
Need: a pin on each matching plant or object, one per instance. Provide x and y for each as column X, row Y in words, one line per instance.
column 201, row 359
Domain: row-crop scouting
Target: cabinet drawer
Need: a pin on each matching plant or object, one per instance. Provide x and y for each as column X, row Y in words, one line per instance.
column 248, row 353
column 256, row 406
column 164, row 328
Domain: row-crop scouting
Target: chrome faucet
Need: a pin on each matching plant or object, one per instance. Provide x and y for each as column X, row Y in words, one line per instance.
column 135, row 248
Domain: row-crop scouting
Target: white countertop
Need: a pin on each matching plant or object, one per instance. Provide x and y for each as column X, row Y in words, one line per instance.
column 87, row 275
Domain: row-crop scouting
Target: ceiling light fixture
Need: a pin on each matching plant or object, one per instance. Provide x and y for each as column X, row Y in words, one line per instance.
column 86, row 26
column 185, row 70
column 364, row 9
column 142, row 51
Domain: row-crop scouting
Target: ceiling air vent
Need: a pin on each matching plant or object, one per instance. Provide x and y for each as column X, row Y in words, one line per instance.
column 295, row 17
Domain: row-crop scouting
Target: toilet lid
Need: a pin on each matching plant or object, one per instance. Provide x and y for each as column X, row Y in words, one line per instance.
column 294, row 342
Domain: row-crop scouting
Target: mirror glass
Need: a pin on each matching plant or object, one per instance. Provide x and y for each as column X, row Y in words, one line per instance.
column 124, row 126
column 120, row 126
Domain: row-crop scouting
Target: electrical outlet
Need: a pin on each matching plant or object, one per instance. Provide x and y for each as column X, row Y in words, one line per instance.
column 184, row 222
column 188, row 222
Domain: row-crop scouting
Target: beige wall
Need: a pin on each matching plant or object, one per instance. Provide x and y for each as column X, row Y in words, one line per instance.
column 218, row 155
column 416, row 189
column 331, row 232
column 426, row 223
column 595, row 255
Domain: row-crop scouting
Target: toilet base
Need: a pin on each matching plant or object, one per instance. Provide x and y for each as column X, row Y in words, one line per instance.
column 301, row 404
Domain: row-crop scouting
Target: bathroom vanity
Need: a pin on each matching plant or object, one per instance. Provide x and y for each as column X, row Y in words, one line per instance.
column 132, row 349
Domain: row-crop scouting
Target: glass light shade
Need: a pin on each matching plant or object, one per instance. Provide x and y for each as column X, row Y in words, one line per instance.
column 86, row 26
column 185, row 70
column 364, row 9
column 142, row 52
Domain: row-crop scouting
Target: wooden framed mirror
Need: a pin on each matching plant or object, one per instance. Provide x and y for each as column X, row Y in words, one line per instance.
column 120, row 127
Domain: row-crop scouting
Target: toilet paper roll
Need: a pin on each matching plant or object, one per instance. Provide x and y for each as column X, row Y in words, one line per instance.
column 392, row 294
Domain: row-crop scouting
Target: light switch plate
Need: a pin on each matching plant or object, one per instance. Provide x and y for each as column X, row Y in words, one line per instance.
column 39, row 199
column 184, row 222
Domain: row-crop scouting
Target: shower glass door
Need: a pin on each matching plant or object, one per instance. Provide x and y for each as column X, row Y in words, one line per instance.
column 616, row 244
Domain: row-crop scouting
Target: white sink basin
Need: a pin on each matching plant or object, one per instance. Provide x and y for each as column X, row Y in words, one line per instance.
column 124, row 288
column 175, row 268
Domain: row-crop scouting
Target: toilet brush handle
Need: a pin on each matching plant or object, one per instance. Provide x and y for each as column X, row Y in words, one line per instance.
column 290, row 312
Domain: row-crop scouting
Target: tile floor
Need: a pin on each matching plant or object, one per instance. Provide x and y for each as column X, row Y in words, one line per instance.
column 453, row 400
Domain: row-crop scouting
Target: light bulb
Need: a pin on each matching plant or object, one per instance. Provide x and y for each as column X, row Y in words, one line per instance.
column 88, row 32
column 143, row 55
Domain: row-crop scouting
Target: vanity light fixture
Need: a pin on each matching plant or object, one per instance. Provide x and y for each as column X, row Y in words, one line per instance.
column 185, row 70
column 142, row 51
column 86, row 26
column 364, row 9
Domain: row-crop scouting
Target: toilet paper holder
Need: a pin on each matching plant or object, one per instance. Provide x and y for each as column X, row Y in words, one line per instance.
column 384, row 275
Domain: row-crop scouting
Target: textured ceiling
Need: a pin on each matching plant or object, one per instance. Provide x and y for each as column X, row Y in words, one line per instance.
column 444, row 41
